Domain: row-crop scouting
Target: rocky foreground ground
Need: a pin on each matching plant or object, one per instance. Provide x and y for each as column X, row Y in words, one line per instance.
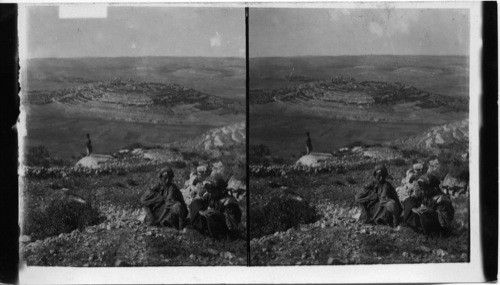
column 123, row 240
column 104, row 191
column 337, row 236
column 119, row 237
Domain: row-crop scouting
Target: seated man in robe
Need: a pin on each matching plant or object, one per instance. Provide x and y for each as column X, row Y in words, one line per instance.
column 164, row 203
column 379, row 201
column 216, row 213
column 428, row 209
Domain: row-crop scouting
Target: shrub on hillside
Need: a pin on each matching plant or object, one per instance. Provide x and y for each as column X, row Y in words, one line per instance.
column 258, row 154
column 134, row 146
column 413, row 154
column 240, row 173
column 131, row 182
column 191, row 156
column 399, row 162
column 355, row 144
column 452, row 162
column 350, row 180
column 40, row 156
column 60, row 216
column 280, row 214
column 178, row 164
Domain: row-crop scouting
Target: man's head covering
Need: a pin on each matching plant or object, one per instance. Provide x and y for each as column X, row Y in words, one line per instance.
column 166, row 171
column 428, row 182
column 418, row 166
column 382, row 169
column 201, row 168
column 215, row 184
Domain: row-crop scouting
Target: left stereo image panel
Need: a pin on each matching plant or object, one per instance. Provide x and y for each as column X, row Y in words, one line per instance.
column 133, row 136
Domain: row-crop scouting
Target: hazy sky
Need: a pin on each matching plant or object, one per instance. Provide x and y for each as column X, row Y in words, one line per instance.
column 299, row 32
column 137, row 31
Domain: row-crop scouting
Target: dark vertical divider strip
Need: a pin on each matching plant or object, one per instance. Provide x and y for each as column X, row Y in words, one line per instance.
column 247, row 135
column 488, row 137
column 9, row 111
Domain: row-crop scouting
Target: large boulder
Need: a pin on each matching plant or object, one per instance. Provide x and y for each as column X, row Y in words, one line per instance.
column 308, row 160
column 313, row 159
column 93, row 161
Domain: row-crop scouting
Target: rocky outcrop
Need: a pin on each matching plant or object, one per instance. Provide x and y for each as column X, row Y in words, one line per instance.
column 218, row 138
column 456, row 132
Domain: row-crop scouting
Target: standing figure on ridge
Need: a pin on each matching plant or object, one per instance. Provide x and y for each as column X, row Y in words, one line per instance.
column 88, row 145
column 309, row 147
column 379, row 201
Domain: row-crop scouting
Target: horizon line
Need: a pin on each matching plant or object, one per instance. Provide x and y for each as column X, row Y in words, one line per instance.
column 153, row 56
column 238, row 57
column 278, row 56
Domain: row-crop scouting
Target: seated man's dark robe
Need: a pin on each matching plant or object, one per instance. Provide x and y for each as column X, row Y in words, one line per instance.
column 214, row 216
column 165, row 206
column 380, row 203
column 435, row 216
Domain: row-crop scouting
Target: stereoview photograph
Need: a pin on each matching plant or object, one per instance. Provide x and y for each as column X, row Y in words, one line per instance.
column 358, row 136
column 134, row 151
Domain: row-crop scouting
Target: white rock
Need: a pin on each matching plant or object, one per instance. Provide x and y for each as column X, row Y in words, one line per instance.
column 93, row 161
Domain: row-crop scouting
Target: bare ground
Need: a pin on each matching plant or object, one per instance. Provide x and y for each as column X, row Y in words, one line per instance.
column 337, row 237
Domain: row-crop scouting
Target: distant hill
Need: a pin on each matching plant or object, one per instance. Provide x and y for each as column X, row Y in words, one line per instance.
column 349, row 91
column 131, row 93
column 223, row 77
column 445, row 75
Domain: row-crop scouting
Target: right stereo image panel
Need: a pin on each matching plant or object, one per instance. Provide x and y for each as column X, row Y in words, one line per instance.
column 359, row 135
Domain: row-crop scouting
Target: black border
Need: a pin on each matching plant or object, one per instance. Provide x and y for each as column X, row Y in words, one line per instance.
column 247, row 87
column 488, row 140
column 9, row 111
